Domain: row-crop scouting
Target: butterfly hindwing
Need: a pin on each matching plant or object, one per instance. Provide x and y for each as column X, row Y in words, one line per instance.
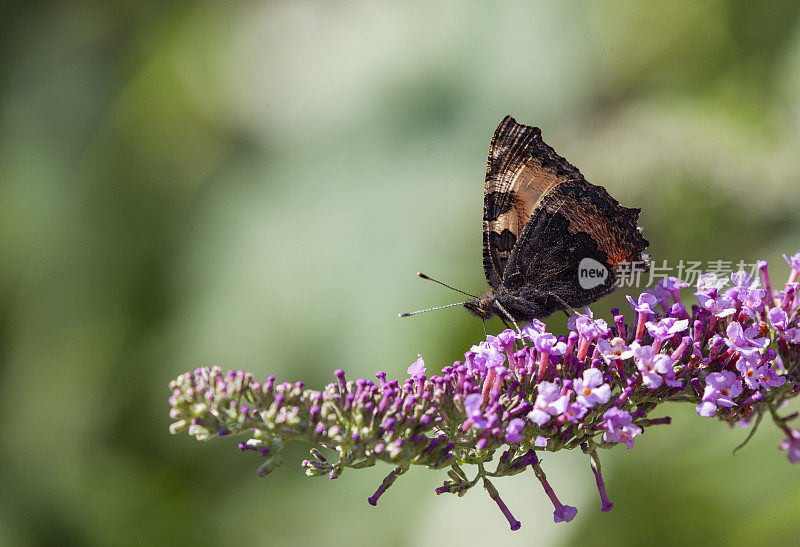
column 577, row 221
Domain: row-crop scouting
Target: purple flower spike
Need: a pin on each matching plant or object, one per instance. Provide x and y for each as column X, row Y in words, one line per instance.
column 487, row 355
column 743, row 280
column 678, row 311
column 572, row 339
column 507, row 338
column 622, row 327
column 589, row 328
column 793, row 261
column 417, row 368
column 573, row 319
column 686, row 341
column 793, row 335
column 443, row 489
column 548, row 345
column 788, row 295
column 792, row 446
column 735, row 356
column 505, row 342
column 666, row 328
column 339, row 373
column 756, row 397
column 752, row 301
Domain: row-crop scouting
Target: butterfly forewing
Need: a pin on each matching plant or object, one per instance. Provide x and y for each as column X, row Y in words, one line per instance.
column 521, row 171
column 542, row 219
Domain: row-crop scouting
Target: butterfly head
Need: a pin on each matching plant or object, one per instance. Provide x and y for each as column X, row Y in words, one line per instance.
column 482, row 307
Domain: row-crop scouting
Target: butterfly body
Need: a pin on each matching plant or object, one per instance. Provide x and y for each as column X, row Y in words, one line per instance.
column 551, row 240
column 527, row 304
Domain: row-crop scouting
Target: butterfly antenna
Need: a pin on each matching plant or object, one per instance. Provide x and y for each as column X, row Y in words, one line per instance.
column 423, row 276
column 408, row 314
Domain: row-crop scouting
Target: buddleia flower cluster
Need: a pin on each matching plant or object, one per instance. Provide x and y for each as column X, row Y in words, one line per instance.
column 734, row 354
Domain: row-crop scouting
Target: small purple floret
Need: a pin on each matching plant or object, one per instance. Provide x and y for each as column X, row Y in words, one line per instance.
column 721, row 389
column 549, row 403
column 512, row 431
column 417, row 368
column 472, row 405
column 564, row 513
column 792, row 446
column 619, row 427
column 591, row 389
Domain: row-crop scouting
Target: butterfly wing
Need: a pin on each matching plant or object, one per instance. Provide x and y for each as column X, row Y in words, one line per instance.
column 575, row 228
column 520, row 172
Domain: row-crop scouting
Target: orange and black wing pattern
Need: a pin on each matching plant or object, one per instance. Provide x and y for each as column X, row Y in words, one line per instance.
column 521, row 171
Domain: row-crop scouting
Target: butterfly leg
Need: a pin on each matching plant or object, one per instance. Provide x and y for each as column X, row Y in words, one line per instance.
column 508, row 315
column 566, row 306
column 572, row 311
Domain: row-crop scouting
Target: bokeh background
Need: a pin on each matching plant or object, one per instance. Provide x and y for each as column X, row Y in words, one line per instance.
column 254, row 185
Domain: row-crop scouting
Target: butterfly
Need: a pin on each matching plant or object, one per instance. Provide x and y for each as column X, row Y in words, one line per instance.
column 551, row 240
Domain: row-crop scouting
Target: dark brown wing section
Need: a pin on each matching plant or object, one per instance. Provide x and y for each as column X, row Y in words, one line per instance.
column 576, row 221
column 520, row 172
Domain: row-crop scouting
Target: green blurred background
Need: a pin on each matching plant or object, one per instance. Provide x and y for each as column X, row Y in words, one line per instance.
column 254, row 185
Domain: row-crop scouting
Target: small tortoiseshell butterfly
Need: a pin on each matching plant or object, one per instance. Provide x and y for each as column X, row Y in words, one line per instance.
column 551, row 240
